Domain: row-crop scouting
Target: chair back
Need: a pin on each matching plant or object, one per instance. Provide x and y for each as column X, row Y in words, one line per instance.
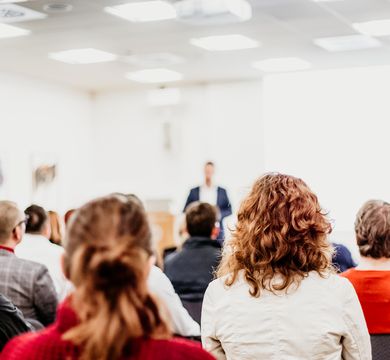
column 194, row 308
column 380, row 345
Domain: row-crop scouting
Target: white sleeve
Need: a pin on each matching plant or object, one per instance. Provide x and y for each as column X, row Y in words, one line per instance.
column 356, row 340
column 210, row 341
column 183, row 324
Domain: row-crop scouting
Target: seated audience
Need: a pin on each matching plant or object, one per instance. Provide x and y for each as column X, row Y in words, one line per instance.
column 191, row 269
column 371, row 278
column 12, row 321
column 55, row 228
column 26, row 283
column 37, row 247
column 111, row 315
column 276, row 296
column 342, row 258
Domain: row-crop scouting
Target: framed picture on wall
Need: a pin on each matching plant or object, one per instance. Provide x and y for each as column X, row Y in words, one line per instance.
column 45, row 190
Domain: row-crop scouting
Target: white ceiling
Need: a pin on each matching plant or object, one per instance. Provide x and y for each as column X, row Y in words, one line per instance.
column 284, row 27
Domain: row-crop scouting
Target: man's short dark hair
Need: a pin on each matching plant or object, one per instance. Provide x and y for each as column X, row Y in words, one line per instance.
column 200, row 219
column 37, row 218
column 210, row 163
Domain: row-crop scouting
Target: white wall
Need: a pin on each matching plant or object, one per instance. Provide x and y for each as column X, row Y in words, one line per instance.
column 48, row 121
column 332, row 129
column 213, row 122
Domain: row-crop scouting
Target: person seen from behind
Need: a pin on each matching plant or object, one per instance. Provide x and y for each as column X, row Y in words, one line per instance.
column 111, row 315
column 277, row 295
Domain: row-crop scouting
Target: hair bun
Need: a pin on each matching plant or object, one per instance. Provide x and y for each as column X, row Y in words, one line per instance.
column 113, row 273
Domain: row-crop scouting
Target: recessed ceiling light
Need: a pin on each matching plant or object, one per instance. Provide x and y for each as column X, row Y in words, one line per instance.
column 11, row 1
column 57, row 8
column 213, row 12
column 144, row 11
column 225, row 42
column 374, row 28
column 327, row 0
column 82, row 56
column 281, row 64
column 154, row 76
column 10, row 13
column 9, row 31
column 346, row 43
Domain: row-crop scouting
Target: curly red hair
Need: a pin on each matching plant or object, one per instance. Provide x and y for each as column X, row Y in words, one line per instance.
column 281, row 232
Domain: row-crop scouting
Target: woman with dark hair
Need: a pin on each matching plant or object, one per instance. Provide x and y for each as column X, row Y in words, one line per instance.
column 276, row 296
column 111, row 315
column 371, row 278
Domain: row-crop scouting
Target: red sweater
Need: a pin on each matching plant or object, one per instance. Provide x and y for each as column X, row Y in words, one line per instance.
column 373, row 290
column 48, row 344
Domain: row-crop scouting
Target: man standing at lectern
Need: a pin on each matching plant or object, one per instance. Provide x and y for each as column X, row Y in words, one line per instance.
column 212, row 194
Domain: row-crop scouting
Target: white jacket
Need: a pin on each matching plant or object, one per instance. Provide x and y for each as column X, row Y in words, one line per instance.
column 321, row 320
column 182, row 322
column 37, row 248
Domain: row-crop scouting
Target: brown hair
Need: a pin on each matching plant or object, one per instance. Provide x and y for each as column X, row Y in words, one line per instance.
column 372, row 228
column 281, row 231
column 200, row 219
column 108, row 246
column 37, row 219
column 56, row 228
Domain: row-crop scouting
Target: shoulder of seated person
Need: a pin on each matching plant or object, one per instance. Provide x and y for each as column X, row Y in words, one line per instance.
column 31, row 264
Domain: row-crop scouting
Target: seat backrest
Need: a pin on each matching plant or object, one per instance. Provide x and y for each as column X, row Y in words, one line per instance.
column 380, row 344
column 194, row 308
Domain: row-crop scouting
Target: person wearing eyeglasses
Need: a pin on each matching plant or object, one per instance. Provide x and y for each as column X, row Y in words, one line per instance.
column 26, row 283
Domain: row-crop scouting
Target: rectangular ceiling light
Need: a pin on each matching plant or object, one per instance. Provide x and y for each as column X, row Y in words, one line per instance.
column 281, row 64
column 144, row 11
column 12, row 13
column 11, row 1
column 346, row 43
column 213, row 11
column 9, row 31
column 82, row 56
column 373, row 28
column 225, row 42
column 150, row 76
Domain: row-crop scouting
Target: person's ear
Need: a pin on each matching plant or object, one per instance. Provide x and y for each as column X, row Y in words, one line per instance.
column 151, row 262
column 215, row 232
column 17, row 234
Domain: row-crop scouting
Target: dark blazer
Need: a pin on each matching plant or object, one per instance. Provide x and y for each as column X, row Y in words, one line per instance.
column 191, row 269
column 30, row 288
column 223, row 204
column 12, row 322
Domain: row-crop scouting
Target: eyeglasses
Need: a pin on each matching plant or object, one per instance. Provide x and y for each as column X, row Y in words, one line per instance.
column 24, row 221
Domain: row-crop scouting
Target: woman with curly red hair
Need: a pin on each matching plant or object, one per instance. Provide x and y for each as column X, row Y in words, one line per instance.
column 276, row 296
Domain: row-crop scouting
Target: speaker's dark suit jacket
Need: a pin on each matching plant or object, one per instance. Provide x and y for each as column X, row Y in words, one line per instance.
column 223, row 204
